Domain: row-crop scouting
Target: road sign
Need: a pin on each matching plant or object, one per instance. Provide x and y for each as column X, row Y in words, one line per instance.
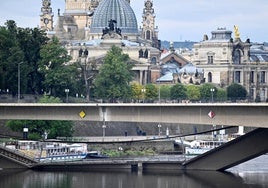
column 211, row 114
column 82, row 114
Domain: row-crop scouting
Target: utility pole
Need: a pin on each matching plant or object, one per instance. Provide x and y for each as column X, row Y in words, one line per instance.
column 19, row 81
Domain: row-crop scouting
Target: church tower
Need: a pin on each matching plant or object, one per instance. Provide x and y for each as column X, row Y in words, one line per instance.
column 149, row 31
column 46, row 16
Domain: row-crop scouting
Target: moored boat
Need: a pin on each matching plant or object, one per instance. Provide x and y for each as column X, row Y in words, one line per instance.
column 198, row 147
column 56, row 153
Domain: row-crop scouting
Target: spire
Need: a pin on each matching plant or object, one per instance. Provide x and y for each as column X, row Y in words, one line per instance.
column 149, row 31
column 46, row 16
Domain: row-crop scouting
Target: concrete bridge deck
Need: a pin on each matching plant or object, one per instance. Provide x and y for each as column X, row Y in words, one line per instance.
column 233, row 114
column 237, row 151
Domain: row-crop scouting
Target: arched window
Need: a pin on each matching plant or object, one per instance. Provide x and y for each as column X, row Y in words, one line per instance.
column 148, row 35
column 237, row 57
column 153, row 60
column 210, row 77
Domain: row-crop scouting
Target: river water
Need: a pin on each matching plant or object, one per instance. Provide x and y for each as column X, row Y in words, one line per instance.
column 252, row 174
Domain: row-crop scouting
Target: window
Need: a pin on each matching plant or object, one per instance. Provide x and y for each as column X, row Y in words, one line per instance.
column 148, row 35
column 209, row 77
column 262, row 79
column 237, row 76
column 237, row 57
column 251, row 77
column 153, row 60
column 210, row 59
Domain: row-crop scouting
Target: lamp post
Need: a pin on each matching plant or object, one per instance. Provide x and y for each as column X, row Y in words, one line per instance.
column 143, row 90
column 159, row 96
column 19, row 81
column 67, row 95
column 25, row 133
column 159, row 129
column 103, row 130
column 212, row 92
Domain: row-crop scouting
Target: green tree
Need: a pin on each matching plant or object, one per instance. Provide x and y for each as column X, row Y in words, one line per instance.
column 165, row 91
column 136, row 91
column 31, row 42
column 178, row 92
column 193, row 92
column 208, row 91
column 38, row 128
column 113, row 81
column 236, row 92
column 58, row 74
column 20, row 45
column 11, row 54
column 151, row 92
column 221, row 94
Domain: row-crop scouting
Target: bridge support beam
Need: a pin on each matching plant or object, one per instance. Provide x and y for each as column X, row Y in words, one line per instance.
column 232, row 153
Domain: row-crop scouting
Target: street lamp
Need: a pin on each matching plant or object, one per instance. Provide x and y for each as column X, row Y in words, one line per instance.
column 143, row 90
column 25, row 133
column 159, row 97
column 103, row 130
column 19, row 81
column 159, row 129
column 212, row 92
column 67, row 95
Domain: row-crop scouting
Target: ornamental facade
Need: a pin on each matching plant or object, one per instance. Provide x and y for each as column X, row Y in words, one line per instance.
column 89, row 28
column 226, row 60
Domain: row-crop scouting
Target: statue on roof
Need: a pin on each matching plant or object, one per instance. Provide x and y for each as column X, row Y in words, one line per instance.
column 111, row 30
column 236, row 32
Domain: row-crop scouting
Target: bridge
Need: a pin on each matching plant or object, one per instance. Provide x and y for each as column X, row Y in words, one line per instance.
column 233, row 114
column 12, row 159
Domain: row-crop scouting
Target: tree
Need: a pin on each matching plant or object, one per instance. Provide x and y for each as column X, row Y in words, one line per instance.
column 151, row 92
column 38, row 128
column 208, row 91
column 221, row 94
column 11, row 54
column 58, row 74
column 236, row 92
column 136, row 91
column 113, row 80
column 20, row 45
column 178, row 92
column 88, row 71
column 31, row 42
column 165, row 91
column 193, row 92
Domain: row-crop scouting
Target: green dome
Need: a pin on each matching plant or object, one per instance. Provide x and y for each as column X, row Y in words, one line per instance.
column 118, row 10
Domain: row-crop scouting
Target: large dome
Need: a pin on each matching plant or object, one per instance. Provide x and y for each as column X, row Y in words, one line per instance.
column 118, row 10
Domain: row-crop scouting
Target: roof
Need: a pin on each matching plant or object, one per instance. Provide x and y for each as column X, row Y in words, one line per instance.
column 97, row 42
column 190, row 69
column 166, row 78
column 118, row 10
column 258, row 52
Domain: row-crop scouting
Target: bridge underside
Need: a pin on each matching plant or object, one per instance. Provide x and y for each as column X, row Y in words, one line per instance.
column 235, row 152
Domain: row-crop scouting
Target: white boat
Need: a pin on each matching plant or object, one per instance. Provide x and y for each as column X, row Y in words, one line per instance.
column 56, row 153
column 198, row 147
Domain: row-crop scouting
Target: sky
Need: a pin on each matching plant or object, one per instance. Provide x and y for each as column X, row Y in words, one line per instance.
column 177, row 20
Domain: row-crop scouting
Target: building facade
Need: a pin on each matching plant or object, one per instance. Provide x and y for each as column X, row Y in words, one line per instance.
column 226, row 60
column 89, row 28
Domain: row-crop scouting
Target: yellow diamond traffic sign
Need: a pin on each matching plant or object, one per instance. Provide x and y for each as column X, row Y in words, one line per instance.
column 82, row 114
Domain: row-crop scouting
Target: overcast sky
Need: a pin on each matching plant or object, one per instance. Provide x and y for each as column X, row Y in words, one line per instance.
column 178, row 20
